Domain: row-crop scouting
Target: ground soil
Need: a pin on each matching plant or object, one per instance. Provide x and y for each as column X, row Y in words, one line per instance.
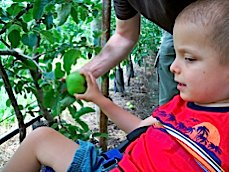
column 142, row 94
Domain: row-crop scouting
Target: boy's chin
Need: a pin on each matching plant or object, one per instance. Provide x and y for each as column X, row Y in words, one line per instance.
column 186, row 98
column 192, row 99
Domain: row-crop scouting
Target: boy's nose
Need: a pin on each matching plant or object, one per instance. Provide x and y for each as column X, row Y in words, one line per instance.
column 174, row 68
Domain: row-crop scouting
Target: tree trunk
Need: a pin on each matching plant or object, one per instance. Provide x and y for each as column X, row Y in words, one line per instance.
column 119, row 85
column 130, row 70
column 105, row 80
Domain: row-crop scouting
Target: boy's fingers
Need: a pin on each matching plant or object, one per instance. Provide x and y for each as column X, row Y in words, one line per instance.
column 86, row 76
column 89, row 77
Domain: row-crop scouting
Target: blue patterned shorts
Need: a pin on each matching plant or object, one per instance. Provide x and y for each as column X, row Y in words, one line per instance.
column 87, row 158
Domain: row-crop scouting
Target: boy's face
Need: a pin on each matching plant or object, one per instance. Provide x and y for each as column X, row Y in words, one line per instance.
column 200, row 77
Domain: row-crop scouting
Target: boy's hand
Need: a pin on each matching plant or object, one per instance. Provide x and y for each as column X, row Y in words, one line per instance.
column 92, row 93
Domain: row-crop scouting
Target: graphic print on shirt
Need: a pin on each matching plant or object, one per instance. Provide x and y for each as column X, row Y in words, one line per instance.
column 204, row 135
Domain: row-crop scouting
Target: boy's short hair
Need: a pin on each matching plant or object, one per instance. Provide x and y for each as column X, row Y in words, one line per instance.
column 214, row 16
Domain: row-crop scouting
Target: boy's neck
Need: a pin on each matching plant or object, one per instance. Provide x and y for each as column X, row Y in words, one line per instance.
column 224, row 103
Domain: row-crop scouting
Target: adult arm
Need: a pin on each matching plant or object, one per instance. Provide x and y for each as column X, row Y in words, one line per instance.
column 117, row 48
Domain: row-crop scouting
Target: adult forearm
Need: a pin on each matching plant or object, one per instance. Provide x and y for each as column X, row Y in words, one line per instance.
column 116, row 49
column 122, row 118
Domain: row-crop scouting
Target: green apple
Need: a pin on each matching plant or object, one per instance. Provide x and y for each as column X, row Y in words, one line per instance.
column 76, row 83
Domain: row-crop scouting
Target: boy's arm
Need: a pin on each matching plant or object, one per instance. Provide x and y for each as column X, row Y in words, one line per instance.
column 148, row 121
column 125, row 120
column 122, row 118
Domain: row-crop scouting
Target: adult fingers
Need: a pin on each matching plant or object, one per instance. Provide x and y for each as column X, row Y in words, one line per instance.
column 79, row 96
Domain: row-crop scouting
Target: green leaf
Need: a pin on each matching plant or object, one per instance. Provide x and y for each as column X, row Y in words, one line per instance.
column 49, row 99
column 49, row 75
column 66, row 101
column 48, row 35
column 29, row 39
column 98, row 134
column 54, row 126
column 8, row 103
column 95, row 13
column 56, row 110
column 14, row 27
column 83, row 111
column 57, row 35
column 48, row 21
column 1, row 83
column 14, row 38
column 63, row 13
column 62, row 102
column 83, row 125
column 20, row 107
column 72, row 109
column 2, row 46
column 70, row 58
column 14, row 9
column 38, row 8
column 24, row 26
column 80, row 102
column 74, row 15
column 82, row 13
column 29, row 63
column 18, row 87
column 72, row 129
column 28, row 16
column 59, row 73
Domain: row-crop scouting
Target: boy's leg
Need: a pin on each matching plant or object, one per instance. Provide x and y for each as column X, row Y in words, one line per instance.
column 43, row 146
column 167, row 85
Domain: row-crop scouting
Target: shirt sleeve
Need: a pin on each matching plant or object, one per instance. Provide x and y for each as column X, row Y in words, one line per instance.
column 123, row 9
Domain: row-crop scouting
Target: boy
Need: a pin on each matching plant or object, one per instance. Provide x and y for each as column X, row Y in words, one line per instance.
column 190, row 132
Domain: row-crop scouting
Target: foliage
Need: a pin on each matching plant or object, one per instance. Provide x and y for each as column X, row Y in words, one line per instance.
column 149, row 42
column 5, row 109
column 41, row 42
column 80, row 130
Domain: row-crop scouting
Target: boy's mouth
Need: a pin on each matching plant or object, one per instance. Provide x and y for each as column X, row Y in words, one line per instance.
column 180, row 86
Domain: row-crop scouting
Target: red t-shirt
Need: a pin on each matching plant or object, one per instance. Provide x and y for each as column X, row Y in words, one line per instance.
column 191, row 138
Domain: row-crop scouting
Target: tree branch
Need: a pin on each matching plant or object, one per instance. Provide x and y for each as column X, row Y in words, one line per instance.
column 2, row 22
column 25, row 10
column 4, row 42
column 19, row 56
column 9, row 90
column 36, row 75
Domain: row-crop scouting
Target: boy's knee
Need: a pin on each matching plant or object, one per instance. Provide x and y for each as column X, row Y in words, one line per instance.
column 41, row 133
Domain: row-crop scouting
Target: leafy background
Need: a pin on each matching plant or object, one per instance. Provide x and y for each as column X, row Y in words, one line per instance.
column 41, row 42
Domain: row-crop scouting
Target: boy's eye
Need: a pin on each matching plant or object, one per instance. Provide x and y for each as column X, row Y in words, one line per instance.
column 189, row 59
